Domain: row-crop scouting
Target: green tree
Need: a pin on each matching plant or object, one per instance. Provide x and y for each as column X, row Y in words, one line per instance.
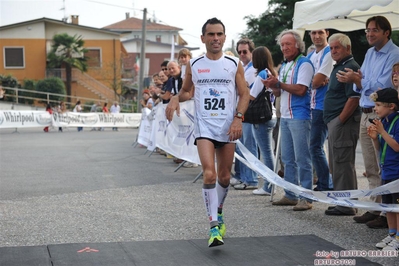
column 264, row 29
column 51, row 85
column 11, row 82
column 29, row 85
column 68, row 51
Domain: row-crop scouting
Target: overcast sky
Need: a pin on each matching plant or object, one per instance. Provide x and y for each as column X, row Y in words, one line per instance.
column 186, row 14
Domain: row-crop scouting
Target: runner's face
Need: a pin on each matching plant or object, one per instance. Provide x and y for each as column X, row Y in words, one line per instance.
column 214, row 38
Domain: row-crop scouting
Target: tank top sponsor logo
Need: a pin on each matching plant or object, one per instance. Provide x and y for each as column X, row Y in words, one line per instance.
column 207, row 70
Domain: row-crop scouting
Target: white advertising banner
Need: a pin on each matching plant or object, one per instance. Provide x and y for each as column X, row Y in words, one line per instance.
column 152, row 144
column 177, row 137
column 21, row 119
column 145, row 128
column 341, row 198
column 18, row 119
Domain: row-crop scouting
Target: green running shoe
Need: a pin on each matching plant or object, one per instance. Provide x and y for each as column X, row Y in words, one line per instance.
column 222, row 226
column 215, row 237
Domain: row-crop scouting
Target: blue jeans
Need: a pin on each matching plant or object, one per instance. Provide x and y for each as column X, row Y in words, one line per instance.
column 248, row 176
column 263, row 134
column 318, row 135
column 295, row 138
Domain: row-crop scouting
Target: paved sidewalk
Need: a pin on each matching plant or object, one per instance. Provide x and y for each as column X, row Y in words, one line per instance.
column 95, row 187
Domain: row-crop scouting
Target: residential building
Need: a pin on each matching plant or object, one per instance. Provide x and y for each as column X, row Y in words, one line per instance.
column 161, row 42
column 24, row 48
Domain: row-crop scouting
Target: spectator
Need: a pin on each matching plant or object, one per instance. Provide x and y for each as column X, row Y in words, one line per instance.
column 115, row 109
column 375, row 73
column 385, row 135
column 166, row 94
column 244, row 177
column 93, row 109
column 183, row 58
column 147, row 100
column 342, row 117
column 263, row 132
column 78, row 109
column 395, row 76
column 323, row 64
column 293, row 85
column 105, row 111
column 50, row 111
column 60, row 110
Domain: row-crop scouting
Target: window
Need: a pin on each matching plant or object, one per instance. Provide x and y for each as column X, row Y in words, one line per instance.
column 14, row 57
column 158, row 38
column 94, row 57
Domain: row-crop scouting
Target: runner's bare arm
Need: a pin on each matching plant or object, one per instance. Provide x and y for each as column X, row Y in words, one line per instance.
column 235, row 131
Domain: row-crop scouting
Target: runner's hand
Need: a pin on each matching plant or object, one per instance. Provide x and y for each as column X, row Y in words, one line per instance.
column 172, row 106
column 235, row 131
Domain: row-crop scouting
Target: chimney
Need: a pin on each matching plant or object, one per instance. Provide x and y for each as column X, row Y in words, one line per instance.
column 127, row 15
column 75, row 19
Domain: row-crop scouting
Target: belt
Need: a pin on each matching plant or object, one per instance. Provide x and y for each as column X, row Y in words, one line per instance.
column 367, row 110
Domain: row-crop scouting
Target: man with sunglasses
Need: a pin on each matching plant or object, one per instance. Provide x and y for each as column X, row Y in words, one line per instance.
column 244, row 177
column 165, row 95
column 375, row 73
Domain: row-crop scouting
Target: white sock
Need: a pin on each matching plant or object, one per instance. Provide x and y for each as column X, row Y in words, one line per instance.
column 222, row 193
column 210, row 196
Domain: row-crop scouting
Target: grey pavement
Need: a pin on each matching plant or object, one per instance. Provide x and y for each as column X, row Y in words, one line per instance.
column 91, row 186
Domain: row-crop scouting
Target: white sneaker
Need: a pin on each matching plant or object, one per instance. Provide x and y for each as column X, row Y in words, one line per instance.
column 383, row 243
column 261, row 192
column 393, row 245
column 190, row 165
column 234, row 181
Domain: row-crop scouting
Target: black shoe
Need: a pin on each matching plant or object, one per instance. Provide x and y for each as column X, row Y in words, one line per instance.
column 335, row 212
column 378, row 223
column 366, row 217
column 319, row 189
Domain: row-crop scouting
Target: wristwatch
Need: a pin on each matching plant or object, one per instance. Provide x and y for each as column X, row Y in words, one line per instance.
column 278, row 85
column 240, row 116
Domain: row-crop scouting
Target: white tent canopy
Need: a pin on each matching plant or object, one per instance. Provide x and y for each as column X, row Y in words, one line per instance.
column 343, row 15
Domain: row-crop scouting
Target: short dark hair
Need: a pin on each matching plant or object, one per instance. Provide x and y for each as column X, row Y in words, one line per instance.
column 250, row 43
column 212, row 21
column 382, row 23
column 164, row 63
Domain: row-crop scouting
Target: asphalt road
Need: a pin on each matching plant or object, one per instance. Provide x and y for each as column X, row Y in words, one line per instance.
column 83, row 187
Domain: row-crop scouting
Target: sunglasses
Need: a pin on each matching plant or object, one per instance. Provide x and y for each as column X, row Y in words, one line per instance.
column 243, row 52
column 395, row 73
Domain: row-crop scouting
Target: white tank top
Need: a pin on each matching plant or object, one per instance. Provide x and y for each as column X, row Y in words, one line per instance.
column 215, row 96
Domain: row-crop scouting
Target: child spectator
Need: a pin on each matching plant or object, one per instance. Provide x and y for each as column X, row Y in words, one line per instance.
column 395, row 76
column 385, row 134
column 184, row 57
